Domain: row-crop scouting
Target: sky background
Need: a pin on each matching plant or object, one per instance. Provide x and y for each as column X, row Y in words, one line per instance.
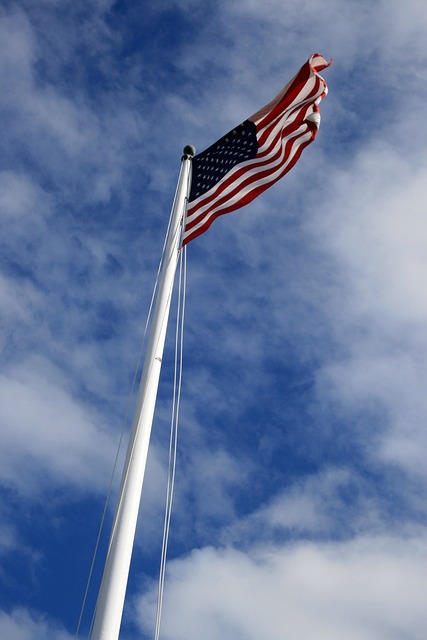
column 300, row 508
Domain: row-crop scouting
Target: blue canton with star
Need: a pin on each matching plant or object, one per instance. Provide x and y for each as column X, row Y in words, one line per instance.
column 211, row 165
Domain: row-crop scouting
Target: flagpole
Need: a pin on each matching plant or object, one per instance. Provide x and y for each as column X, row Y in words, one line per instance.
column 110, row 603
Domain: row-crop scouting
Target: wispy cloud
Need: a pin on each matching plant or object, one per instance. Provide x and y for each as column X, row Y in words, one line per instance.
column 48, row 432
column 24, row 625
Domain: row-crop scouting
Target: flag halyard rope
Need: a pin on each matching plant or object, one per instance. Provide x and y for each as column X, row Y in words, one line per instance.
column 123, row 428
column 173, row 438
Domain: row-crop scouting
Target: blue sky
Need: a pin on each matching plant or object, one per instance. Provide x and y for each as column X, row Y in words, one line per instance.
column 300, row 494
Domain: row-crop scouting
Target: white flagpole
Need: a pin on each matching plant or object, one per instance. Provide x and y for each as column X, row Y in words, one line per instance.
column 111, row 597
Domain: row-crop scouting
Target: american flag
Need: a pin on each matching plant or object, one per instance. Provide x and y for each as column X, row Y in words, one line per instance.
column 254, row 155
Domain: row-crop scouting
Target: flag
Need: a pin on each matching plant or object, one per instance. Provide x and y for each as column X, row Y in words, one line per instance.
column 254, row 155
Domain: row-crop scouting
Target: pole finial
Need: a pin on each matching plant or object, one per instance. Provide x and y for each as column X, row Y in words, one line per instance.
column 189, row 151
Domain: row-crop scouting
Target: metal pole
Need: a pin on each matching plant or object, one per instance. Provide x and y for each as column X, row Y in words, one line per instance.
column 111, row 597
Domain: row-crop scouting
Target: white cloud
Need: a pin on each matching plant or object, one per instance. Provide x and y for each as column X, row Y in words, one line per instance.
column 215, row 474
column 334, row 502
column 372, row 219
column 373, row 231
column 21, row 624
column 19, row 197
column 351, row 30
column 8, row 539
column 17, row 48
column 48, row 436
column 363, row 589
column 16, row 301
column 81, row 145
